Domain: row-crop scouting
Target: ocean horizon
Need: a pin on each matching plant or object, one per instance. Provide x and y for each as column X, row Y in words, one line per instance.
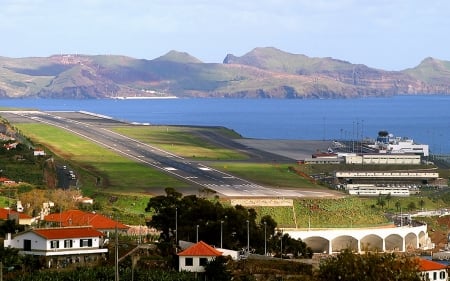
column 425, row 119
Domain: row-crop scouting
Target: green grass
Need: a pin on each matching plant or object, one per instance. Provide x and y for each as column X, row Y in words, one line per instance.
column 269, row 174
column 118, row 174
column 183, row 141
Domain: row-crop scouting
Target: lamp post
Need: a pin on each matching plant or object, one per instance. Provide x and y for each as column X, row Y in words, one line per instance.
column 248, row 237
column 221, row 234
column 176, row 227
column 197, row 233
column 265, row 238
column 281, row 245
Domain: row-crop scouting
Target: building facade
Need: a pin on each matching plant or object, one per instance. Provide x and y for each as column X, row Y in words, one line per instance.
column 60, row 247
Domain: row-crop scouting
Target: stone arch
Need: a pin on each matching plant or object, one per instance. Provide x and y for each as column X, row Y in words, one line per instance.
column 344, row 242
column 411, row 241
column 423, row 239
column 394, row 242
column 371, row 242
column 318, row 244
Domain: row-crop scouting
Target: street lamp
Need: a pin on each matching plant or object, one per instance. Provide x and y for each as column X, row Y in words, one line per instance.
column 221, row 236
column 248, row 237
column 176, row 227
column 197, row 233
column 265, row 238
column 281, row 245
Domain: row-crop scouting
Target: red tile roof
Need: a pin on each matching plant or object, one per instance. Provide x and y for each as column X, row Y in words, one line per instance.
column 427, row 265
column 3, row 179
column 80, row 218
column 200, row 249
column 67, row 232
column 5, row 212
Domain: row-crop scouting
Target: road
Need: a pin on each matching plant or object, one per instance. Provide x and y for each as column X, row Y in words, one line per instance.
column 96, row 129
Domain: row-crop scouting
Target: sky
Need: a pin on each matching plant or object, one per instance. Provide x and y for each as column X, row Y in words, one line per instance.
column 385, row 34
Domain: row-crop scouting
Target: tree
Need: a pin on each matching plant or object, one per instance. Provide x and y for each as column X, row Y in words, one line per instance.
column 388, row 199
column 421, row 203
column 411, row 206
column 381, row 202
column 397, row 205
column 283, row 243
column 177, row 216
column 216, row 269
column 350, row 266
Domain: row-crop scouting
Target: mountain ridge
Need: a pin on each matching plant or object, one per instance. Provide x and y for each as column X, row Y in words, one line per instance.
column 264, row 72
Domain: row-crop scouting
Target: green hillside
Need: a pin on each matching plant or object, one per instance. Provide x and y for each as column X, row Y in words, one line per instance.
column 261, row 73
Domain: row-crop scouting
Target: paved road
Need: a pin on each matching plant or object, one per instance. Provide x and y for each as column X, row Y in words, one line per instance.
column 95, row 128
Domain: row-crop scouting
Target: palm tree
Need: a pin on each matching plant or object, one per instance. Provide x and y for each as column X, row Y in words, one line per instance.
column 421, row 203
column 388, row 199
column 381, row 202
column 397, row 205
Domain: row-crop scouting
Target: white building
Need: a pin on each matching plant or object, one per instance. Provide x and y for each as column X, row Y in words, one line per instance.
column 431, row 270
column 374, row 190
column 194, row 258
column 59, row 246
column 383, row 159
column 387, row 143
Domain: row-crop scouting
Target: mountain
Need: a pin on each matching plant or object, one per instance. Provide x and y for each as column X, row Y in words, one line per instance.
column 261, row 73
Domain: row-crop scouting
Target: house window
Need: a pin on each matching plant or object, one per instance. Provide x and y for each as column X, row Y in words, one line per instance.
column 85, row 242
column 434, row 275
column 442, row 275
column 68, row 243
column 189, row 262
column 54, row 244
column 203, row 261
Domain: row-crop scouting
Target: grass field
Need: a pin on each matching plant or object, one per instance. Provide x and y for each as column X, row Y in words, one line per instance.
column 182, row 141
column 268, row 174
column 118, row 175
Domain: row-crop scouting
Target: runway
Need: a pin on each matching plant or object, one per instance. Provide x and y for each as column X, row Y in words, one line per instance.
column 97, row 129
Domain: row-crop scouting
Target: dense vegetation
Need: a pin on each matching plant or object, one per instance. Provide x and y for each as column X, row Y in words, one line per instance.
column 190, row 218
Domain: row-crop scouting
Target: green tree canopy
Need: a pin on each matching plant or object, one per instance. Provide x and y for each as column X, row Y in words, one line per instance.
column 182, row 218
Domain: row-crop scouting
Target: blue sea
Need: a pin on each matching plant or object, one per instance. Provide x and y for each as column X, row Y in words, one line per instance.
column 426, row 119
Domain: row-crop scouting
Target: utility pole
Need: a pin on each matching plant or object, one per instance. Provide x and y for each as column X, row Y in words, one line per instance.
column 197, row 233
column 221, row 235
column 116, row 275
column 248, row 237
column 176, row 228
column 265, row 238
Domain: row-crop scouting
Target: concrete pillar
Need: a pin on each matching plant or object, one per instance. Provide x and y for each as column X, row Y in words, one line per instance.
column 330, row 247
column 383, row 248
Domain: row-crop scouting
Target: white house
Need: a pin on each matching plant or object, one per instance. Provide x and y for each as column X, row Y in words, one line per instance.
column 60, row 246
column 431, row 270
column 194, row 258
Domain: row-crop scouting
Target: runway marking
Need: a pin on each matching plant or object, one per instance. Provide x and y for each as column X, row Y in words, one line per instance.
column 205, row 169
column 170, row 169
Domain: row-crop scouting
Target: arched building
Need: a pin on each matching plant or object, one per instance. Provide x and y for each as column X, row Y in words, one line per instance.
column 384, row 239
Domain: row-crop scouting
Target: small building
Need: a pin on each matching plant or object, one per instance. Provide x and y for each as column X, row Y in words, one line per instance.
column 431, row 270
column 20, row 218
column 194, row 258
column 60, row 246
column 383, row 159
column 80, row 218
column 39, row 152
